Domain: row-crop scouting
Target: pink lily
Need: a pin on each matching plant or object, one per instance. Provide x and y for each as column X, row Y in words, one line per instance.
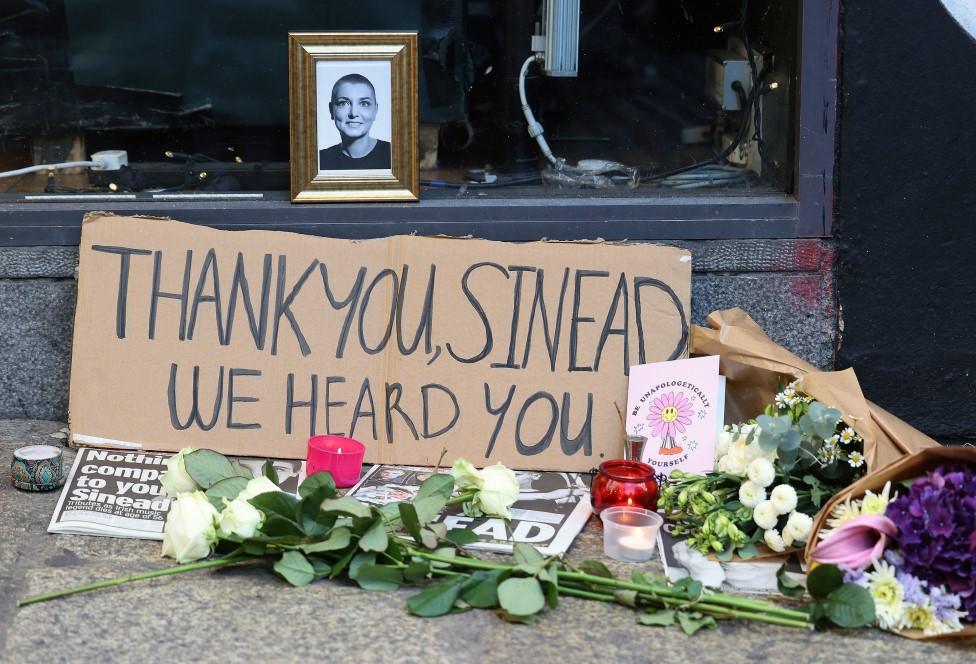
column 857, row 543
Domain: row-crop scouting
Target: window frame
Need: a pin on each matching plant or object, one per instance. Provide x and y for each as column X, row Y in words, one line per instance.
column 807, row 213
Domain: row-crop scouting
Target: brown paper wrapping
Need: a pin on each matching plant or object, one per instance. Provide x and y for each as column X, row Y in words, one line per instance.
column 754, row 367
column 906, row 467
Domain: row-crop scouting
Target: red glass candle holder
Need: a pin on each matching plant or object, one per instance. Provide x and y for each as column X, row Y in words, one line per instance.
column 626, row 483
column 343, row 457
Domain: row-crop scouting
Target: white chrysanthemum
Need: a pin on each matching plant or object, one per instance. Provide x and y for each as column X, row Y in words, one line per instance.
column 774, row 541
column 787, row 537
column 888, row 595
column 877, row 504
column 856, row 459
column 798, row 526
column 765, row 515
column 783, row 497
column 751, row 494
column 733, row 465
column 841, row 514
column 761, row 471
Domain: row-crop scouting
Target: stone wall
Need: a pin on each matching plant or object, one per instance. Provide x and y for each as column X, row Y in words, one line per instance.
column 786, row 285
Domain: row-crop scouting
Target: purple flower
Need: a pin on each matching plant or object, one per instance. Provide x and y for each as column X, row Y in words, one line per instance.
column 936, row 534
column 855, row 576
column 911, row 588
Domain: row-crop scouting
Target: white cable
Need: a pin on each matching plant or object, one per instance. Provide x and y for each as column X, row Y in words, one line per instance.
column 535, row 129
column 47, row 167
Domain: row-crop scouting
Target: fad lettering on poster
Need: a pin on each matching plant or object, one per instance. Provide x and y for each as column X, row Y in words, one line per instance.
column 249, row 342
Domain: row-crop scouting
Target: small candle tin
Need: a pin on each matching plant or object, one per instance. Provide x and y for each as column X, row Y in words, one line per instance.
column 37, row 468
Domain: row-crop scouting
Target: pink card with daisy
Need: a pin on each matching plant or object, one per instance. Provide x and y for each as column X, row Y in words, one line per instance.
column 675, row 406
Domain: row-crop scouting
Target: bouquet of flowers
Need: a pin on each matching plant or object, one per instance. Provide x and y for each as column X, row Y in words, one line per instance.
column 912, row 547
column 773, row 474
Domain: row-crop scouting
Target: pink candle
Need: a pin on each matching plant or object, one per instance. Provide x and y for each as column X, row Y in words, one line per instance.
column 343, row 457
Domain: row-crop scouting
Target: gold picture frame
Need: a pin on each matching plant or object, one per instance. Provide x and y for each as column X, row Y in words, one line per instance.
column 337, row 134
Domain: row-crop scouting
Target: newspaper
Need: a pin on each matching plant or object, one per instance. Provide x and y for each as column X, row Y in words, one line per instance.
column 756, row 576
column 118, row 494
column 550, row 512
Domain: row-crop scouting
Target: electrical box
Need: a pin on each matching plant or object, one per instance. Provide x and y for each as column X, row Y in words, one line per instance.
column 722, row 69
column 562, row 19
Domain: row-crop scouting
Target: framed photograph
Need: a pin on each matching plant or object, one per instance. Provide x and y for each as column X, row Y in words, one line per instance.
column 353, row 116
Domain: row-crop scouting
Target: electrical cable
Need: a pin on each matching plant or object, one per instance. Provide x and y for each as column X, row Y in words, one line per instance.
column 535, row 129
column 47, row 167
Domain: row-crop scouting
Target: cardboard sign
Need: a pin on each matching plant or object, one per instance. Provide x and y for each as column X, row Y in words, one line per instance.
column 247, row 342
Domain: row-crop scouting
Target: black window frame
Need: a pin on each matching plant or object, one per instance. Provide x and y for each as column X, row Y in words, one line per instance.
column 524, row 216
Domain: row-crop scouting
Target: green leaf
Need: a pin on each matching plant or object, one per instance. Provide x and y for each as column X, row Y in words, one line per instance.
column 527, row 558
column 371, row 576
column 268, row 470
column 339, row 538
column 375, row 538
column 626, row 597
column 747, row 551
column 692, row 622
column 318, row 482
column 276, row 526
column 343, row 562
column 436, row 485
column 481, row 589
column 662, row 618
column 320, row 567
column 692, row 587
column 315, row 522
column 429, row 539
column 254, row 547
column 595, row 568
column 358, row 561
column 461, row 537
column 521, row 596
column 295, row 568
column 408, row 517
column 823, row 580
column 850, row 606
column 277, row 503
column 429, row 507
column 787, row 585
column 241, row 471
column 226, row 488
column 207, row 467
column 437, row 599
column 346, row 505
column 445, row 552
column 416, row 571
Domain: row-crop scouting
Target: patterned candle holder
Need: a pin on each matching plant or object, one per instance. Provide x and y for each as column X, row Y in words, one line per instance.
column 37, row 468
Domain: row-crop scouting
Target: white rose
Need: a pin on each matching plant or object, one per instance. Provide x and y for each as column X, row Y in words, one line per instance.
column 751, row 494
column 765, row 515
column 799, row 526
column 466, row 476
column 176, row 480
column 240, row 517
column 723, row 443
column 499, row 491
column 761, row 471
column 774, row 541
column 190, row 530
column 734, row 463
column 783, row 498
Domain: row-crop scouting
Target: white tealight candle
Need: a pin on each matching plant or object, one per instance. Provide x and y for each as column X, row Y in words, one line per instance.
column 630, row 533
column 637, row 546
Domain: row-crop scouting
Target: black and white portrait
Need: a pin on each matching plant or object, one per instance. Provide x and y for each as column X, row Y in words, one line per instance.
column 354, row 118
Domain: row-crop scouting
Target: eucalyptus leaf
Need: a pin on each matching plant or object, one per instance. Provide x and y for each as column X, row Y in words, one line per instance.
column 375, row 538
column 346, row 505
column 747, row 551
column 850, row 606
column 662, row 618
column 437, row 599
column 318, row 482
column 521, row 596
column 436, row 485
column 823, row 580
column 295, row 568
column 339, row 538
column 692, row 622
column 207, row 467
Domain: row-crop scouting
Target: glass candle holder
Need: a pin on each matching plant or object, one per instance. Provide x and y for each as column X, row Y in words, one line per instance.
column 630, row 533
column 624, row 483
column 343, row 457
